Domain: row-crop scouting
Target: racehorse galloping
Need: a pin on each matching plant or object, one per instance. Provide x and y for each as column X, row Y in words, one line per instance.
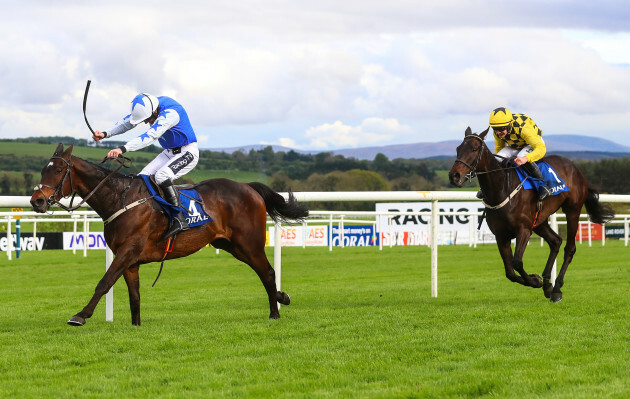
column 239, row 222
column 517, row 217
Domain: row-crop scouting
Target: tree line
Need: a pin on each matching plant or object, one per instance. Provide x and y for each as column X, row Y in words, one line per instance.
column 298, row 171
column 323, row 171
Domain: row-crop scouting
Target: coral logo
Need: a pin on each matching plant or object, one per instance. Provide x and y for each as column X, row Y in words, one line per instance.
column 194, row 216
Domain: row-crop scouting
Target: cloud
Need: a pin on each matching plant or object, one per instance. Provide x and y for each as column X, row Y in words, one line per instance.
column 337, row 134
column 606, row 44
column 286, row 68
column 287, row 142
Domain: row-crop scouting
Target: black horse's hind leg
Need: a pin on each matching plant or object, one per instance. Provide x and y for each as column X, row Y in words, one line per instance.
column 133, row 286
column 531, row 280
column 554, row 241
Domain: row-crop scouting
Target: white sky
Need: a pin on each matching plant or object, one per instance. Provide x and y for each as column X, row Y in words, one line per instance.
column 320, row 74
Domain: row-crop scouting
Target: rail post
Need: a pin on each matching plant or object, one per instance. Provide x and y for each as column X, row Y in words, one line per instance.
column 277, row 254
column 434, row 248
column 109, row 297
column 554, row 225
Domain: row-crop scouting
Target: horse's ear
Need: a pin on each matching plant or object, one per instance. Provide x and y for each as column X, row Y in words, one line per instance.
column 59, row 149
column 68, row 151
column 468, row 131
column 482, row 135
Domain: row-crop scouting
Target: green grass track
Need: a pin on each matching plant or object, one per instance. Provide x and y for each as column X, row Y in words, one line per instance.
column 362, row 324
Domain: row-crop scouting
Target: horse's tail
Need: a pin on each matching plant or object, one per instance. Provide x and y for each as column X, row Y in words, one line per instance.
column 598, row 212
column 280, row 210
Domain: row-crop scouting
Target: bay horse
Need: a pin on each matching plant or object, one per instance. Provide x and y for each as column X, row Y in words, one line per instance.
column 239, row 213
column 517, row 217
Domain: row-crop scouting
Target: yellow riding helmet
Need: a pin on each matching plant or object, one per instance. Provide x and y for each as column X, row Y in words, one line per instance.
column 500, row 117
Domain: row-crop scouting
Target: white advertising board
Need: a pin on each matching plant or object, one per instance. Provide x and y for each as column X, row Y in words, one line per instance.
column 95, row 240
column 294, row 236
column 420, row 223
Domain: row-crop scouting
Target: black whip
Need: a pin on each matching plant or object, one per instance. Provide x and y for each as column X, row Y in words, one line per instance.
column 87, row 89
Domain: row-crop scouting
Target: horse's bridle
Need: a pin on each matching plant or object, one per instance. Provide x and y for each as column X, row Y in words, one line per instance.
column 473, row 173
column 58, row 191
column 473, row 168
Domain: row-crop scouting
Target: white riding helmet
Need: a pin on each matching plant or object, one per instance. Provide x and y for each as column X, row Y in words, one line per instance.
column 142, row 106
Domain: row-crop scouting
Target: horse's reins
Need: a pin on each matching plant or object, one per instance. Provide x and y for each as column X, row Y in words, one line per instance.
column 473, row 173
column 58, row 191
column 473, row 169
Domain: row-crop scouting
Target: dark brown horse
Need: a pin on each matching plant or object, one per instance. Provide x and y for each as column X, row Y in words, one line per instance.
column 239, row 213
column 516, row 218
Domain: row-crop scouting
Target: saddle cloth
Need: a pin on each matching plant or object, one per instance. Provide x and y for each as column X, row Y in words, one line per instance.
column 192, row 204
column 550, row 177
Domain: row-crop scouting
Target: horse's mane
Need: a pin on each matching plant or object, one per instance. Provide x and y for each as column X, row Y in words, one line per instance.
column 102, row 172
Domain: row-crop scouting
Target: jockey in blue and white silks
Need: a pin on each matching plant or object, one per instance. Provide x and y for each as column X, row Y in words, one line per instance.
column 171, row 127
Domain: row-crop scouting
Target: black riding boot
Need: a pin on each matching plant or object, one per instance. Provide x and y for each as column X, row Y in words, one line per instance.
column 534, row 171
column 179, row 222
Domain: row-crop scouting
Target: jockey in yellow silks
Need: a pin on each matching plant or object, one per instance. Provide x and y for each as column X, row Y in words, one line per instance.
column 516, row 135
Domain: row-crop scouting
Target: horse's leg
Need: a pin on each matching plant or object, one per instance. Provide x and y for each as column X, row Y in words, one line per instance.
column 554, row 241
column 121, row 261
column 573, row 221
column 257, row 260
column 133, row 286
column 505, row 249
column 522, row 238
column 267, row 276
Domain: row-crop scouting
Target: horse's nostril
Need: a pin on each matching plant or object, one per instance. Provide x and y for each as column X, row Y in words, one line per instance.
column 38, row 203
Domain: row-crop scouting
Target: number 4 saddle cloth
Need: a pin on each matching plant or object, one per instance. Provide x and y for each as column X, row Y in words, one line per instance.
column 190, row 200
column 550, row 178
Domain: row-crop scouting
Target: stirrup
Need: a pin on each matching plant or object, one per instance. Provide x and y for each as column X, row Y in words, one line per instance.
column 545, row 192
column 178, row 224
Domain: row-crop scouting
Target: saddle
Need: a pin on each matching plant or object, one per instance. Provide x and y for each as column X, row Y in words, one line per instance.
column 550, row 177
column 190, row 200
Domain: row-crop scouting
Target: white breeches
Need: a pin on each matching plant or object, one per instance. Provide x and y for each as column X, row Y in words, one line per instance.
column 168, row 165
column 509, row 152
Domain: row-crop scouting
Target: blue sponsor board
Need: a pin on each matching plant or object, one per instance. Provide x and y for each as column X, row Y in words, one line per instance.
column 355, row 236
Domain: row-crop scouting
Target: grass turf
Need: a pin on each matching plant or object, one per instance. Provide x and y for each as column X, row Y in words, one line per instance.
column 361, row 324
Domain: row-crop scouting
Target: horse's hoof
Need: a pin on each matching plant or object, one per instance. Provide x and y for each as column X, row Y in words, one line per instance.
column 538, row 281
column 283, row 298
column 274, row 316
column 547, row 291
column 76, row 321
column 556, row 297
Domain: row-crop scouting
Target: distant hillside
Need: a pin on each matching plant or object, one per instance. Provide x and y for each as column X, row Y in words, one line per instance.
column 589, row 155
column 406, row 151
column 570, row 145
column 257, row 147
